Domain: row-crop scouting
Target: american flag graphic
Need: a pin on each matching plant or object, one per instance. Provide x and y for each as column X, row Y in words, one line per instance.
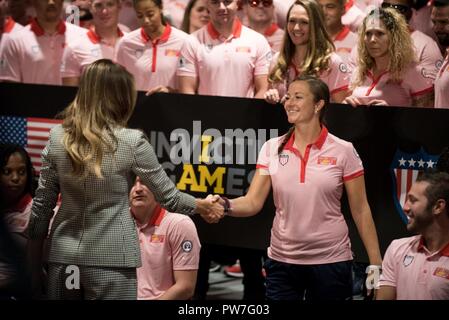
column 404, row 170
column 31, row 133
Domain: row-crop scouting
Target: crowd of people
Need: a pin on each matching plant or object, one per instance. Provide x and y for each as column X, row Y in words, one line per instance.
column 303, row 54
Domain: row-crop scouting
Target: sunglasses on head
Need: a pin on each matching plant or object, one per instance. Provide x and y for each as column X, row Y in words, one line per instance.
column 399, row 7
column 265, row 3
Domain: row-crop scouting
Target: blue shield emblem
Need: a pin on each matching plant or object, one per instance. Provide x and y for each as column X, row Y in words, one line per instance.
column 404, row 170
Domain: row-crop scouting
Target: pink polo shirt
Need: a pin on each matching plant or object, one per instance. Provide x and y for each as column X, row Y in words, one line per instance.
column 274, row 36
column 16, row 218
column 168, row 242
column 442, row 84
column 337, row 76
column 309, row 227
column 428, row 54
column 354, row 15
column 33, row 56
column 416, row 273
column 11, row 26
column 225, row 67
column 414, row 84
column 344, row 42
column 152, row 62
column 85, row 50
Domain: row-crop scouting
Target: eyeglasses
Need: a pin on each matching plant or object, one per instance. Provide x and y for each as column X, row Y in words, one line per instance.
column 399, row 7
column 265, row 3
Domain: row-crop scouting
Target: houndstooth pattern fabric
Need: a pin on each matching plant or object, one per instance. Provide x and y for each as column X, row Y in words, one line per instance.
column 94, row 283
column 93, row 226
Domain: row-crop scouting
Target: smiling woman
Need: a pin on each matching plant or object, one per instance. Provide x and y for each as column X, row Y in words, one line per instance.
column 308, row 168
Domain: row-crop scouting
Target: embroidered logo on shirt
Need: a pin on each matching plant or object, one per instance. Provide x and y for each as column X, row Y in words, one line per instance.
column 343, row 67
column 283, row 159
column 138, row 53
column 327, row 161
column 187, row 246
column 157, row 238
column 171, row 53
column 408, row 260
column 181, row 62
column 243, row 49
column 441, row 272
column 35, row 49
column 95, row 52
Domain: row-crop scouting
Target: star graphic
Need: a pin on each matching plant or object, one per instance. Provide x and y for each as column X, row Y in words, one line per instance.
column 412, row 162
column 430, row 163
column 421, row 163
column 402, row 162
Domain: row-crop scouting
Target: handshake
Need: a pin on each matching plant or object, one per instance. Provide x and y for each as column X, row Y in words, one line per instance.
column 213, row 208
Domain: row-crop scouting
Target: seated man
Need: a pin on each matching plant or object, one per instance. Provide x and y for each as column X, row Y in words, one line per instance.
column 169, row 247
column 417, row 268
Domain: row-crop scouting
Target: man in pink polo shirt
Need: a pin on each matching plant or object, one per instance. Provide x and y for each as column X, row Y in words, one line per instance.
column 440, row 19
column 34, row 54
column 343, row 39
column 224, row 58
column 100, row 42
column 169, row 247
column 417, row 268
column 260, row 15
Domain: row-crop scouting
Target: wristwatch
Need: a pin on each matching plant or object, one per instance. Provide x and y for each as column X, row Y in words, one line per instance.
column 227, row 206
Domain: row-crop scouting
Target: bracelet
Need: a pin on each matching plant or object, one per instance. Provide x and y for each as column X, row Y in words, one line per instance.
column 227, row 206
column 372, row 267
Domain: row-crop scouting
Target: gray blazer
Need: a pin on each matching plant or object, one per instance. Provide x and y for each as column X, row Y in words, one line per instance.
column 93, row 226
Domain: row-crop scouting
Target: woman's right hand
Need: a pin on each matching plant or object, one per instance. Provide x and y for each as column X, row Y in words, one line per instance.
column 353, row 101
column 272, row 96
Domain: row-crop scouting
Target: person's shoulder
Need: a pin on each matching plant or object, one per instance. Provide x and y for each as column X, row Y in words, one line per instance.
column 253, row 35
column 75, row 30
column 341, row 142
column 421, row 36
column 135, row 34
column 178, row 221
column 405, row 241
column 179, row 33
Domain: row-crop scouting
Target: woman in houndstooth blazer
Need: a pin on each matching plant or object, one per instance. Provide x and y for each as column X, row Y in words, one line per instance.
column 90, row 159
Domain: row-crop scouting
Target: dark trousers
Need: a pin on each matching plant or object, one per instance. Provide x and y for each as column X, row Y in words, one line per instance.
column 250, row 262
column 286, row 281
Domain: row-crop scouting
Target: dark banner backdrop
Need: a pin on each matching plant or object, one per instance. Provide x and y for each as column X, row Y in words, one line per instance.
column 389, row 140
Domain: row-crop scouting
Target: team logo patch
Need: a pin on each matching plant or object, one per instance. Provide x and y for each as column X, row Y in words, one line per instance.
column 427, row 74
column 95, row 52
column 408, row 260
column 157, row 238
column 283, row 159
column 181, row 62
column 171, row 53
column 35, row 49
column 187, row 246
column 209, row 47
column 327, row 161
column 441, row 272
column 438, row 64
column 138, row 53
column 404, row 170
column 243, row 49
column 343, row 67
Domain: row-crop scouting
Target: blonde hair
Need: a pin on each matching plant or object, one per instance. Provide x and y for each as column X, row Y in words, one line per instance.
column 105, row 100
column 400, row 47
column 319, row 48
